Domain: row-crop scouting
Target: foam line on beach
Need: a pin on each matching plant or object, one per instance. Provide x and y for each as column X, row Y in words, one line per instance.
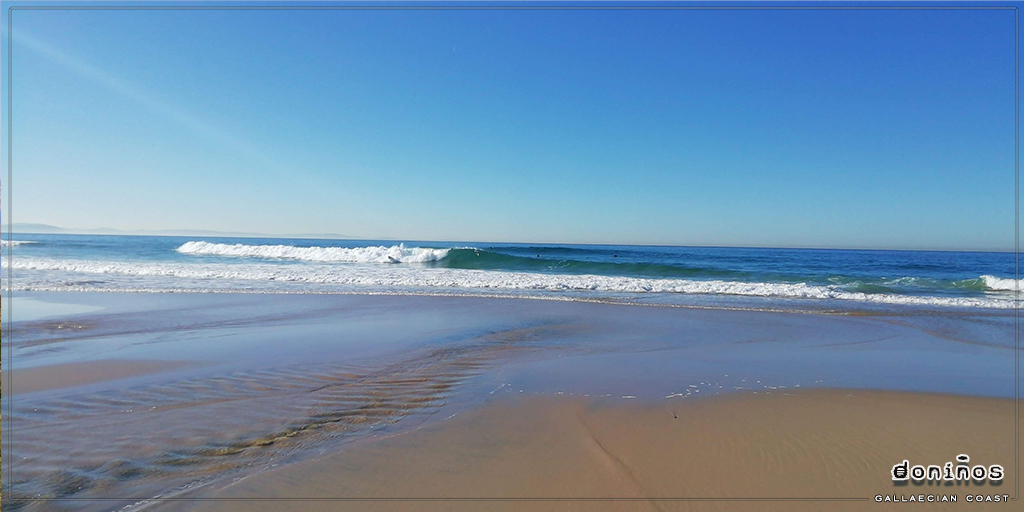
column 400, row 277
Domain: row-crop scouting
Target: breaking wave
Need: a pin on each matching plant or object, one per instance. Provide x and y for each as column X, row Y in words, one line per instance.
column 14, row 243
column 398, row 278
column 1002, row 284
column 378, row 254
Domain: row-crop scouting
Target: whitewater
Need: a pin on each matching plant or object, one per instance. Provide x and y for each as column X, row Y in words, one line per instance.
column 375, row 254
column 395, row 279
column 666, row 275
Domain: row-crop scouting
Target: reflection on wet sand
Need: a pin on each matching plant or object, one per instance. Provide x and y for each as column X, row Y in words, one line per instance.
column 180, row 434
column 69, row 375
column 265, row 381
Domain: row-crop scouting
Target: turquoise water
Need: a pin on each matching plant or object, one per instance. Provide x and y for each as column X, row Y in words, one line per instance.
column 714, row 276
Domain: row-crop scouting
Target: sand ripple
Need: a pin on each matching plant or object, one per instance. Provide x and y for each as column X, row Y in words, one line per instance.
column 139, row 442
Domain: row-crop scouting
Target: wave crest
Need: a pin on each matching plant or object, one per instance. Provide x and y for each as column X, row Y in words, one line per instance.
column 396, row 278
column 376, row 254
column 1002, row 284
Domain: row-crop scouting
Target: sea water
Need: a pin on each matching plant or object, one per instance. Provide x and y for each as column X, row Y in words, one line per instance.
column 699, row 276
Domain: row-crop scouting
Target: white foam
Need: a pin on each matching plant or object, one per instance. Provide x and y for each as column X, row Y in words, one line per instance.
column 267, row 276
column 14, row 243
column 1002, row 284
column 377, row 254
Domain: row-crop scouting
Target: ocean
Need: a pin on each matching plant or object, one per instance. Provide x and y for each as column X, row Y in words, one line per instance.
column 757, row 278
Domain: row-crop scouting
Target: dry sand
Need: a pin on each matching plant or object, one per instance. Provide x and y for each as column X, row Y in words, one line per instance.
column 811, row 443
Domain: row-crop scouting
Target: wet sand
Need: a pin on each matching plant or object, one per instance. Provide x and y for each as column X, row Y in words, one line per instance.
column 281, row 380
column 808, row 444
column 68, row 375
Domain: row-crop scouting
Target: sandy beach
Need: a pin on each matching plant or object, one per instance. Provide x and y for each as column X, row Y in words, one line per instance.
column 806, row 444
column 69, row 375
column 214, row 400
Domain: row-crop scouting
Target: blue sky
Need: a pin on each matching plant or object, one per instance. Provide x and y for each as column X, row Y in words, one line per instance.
column 880, row 129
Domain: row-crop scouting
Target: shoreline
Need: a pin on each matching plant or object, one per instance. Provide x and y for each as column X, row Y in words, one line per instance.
column 875, row 309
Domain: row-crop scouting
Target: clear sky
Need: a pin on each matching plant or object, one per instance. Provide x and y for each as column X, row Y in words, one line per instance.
column 879, row 129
